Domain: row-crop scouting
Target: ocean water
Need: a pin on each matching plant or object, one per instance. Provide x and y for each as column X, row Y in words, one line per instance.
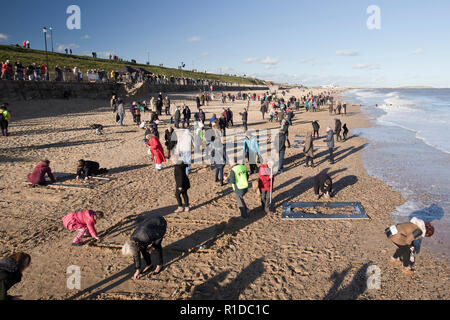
column 409, row 149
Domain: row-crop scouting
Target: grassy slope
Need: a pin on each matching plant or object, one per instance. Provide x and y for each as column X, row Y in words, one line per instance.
column 27, row 56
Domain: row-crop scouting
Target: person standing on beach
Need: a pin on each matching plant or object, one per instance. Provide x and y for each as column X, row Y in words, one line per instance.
column 308, row 150
column 345, row 133
column 263, row 108
column 11, row 270
column 316, row 127
column 156, row 151
column 182, row 184
column 280, row 148
column 330, row 144
column 238, row 178
column 145, row 239
column 5, row 117
column 121, row 112
column 244, row 119
column 113, row 103
column 265, row 184
column 344, row 108
column 337, row 129
column 186, row 116
column 403, row 236
column 285, row 130
column 251, row 151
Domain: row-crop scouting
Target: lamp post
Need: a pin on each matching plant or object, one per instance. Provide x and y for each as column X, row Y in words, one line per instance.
column 51, row 36
column 46, row 53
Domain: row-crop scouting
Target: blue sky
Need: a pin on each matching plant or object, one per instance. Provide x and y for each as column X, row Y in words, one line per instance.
column 308, row 42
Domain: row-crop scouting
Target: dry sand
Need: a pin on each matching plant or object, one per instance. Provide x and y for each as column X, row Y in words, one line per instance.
column 262, row 258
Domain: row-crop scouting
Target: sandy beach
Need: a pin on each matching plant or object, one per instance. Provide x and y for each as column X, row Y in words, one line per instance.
column 265, row 257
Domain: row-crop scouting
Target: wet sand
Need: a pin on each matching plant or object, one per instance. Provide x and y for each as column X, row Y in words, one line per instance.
column 262, row 258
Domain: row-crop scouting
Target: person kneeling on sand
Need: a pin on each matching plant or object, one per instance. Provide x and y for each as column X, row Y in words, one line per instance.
column 182, row 183
column 238, row 178
column 84, row 222
column 147, row 237
column 403, row 236
column 89, row 169
column 11, row 269
column 323, row 182
column 37, row 177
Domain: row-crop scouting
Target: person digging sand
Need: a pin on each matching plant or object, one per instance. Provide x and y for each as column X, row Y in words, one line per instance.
column 147, row 237
column 84, row 222
column 324, row 184
column 403, row 236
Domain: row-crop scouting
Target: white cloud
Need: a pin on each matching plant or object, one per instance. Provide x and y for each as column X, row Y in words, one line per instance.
column 250, row 60
column 418, row 51
column 85, row 37
column 3, row 37
column 347, row 52
column 194, row 39
column 305, row 60
column 366, row 66
column 270, row 61
column 62, row 47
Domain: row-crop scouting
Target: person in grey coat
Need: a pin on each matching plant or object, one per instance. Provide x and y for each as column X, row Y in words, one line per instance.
column 121, row 112
column 308, row 149
column 330, row 144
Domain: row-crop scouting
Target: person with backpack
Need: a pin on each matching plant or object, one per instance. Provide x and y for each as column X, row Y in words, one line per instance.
column 11, row 270
column 238, row 178
column 84, row 222
column 5, row 117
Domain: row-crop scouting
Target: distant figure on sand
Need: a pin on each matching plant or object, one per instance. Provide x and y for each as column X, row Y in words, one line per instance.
column 330, row 144
column 337, row 129
column 265, row 185
column 324, row 184
column 403, row 236
column 316, row 127
column 11, row 269
column 84, row 222
column 182, row 184
column 147, row 237
column 308, row 150
column 5, row 117
column 37, row 177
column 345, row 133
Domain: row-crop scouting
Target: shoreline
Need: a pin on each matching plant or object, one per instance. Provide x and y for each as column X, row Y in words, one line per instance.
column 264, row 258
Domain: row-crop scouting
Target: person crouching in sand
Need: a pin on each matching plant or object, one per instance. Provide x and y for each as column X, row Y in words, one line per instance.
column 84, row 222
column 11, row 269
column 403, row 236
column 156, row 151
column 147, row 237
column 323, row 182
column 89, row 169
column 37, row 177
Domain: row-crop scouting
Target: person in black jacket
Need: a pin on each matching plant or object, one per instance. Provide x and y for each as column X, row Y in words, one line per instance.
column 337, row 129
column 170, row 140
column 181, row 183
column 345, row 133
column 147, row 237
column 323, row 182
column 316, row 128
column 11, row 269
column 89, row 169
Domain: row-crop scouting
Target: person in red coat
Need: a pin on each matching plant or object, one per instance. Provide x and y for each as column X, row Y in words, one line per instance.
column 37, row 177
column 265, row 184
column 156, row 150
column 84, row 222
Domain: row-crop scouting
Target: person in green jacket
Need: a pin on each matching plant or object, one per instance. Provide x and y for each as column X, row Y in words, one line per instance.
column 238, row 178
column 5, row 117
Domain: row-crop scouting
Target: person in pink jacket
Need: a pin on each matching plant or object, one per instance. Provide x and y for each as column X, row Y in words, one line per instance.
column 84, row 222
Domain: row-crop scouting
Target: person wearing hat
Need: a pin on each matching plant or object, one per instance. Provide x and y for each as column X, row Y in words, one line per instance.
column 238, row 178
column 146, row 238
column 330, row 144
column 403, row 236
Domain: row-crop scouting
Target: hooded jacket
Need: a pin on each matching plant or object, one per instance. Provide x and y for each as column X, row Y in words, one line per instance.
column 38, row 174
column 264, row 180
column 330, row 139
column 156, row 150
column 81, row 219
column 9, row 276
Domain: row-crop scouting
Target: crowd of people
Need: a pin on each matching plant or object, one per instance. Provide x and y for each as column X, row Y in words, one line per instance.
column 208, row 140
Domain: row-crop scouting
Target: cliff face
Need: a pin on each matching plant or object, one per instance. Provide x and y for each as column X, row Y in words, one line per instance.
column 42, row 90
